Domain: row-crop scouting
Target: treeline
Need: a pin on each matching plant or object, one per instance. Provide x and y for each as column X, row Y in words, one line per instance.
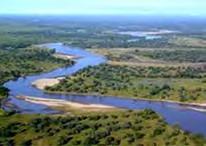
column 133, row 128
column 121, row 72
column 193, row 56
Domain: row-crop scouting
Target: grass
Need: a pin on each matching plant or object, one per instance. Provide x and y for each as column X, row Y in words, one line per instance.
column 188, row 42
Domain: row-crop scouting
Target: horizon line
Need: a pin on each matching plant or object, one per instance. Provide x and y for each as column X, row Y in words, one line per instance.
column 160, row 15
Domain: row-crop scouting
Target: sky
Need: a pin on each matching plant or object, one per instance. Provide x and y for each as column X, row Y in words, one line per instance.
column 104, row 7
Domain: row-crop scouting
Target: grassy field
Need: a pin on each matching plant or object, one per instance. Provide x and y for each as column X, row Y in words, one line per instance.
column 142, row 128
column 188, row 42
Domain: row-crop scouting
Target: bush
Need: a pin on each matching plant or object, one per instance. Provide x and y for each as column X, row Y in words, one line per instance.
column 112, row 141
column 26, row 143
column 64, row 140
column 3, row 92
column 158, row 131
column 139, row 135
column 90, row 140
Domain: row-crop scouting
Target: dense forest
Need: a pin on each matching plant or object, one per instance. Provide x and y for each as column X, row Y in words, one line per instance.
column 134, row 128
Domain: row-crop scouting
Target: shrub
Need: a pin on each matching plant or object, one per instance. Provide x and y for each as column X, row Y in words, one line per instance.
column 26, row 143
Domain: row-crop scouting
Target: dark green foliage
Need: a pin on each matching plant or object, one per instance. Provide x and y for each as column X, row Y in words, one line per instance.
column 62, row 140
column 112, row 141
column 26, row 143
column 3, row 92
column 131, row 128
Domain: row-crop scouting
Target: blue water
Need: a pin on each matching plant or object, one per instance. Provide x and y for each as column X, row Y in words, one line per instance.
column 188, row 119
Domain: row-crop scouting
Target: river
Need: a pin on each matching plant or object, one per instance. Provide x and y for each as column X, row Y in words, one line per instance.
column 188, row 119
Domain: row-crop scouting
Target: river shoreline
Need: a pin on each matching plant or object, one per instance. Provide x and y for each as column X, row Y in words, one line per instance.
column 43, row 83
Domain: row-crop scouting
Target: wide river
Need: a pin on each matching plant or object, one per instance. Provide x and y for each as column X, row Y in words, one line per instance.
column 188, row 119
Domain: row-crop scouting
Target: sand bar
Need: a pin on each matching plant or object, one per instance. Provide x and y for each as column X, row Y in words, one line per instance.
column 65, row 56
column 43, row 83
column 64, row 103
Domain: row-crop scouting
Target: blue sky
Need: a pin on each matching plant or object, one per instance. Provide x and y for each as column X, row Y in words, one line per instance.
column 112, row 7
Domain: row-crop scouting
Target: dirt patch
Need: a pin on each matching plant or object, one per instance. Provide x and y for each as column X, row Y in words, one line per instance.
column 43, row 83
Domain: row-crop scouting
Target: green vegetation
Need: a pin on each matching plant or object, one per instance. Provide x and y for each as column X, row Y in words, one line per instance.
column 3, row 92
column 189, row 42
column 24, row 61
column 141, row 82
column 142, row 128
column 21, row 62
column 155, row 56
column 178, row 55
column 165, row 74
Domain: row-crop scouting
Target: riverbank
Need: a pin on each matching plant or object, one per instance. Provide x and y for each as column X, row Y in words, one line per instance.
column 66, row 105
column 43, row 83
